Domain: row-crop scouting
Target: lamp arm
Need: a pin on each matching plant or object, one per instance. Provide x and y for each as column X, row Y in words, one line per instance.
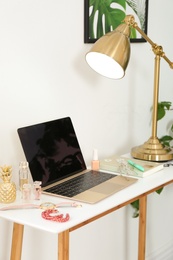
column 153, row 149
column 158, row 50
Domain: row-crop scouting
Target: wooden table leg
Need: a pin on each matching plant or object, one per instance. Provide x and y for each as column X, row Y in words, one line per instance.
column 142, row 227
column 17, row 238
column 63, row 245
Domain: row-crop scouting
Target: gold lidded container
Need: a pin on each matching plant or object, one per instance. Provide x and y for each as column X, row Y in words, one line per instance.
column 7, row 187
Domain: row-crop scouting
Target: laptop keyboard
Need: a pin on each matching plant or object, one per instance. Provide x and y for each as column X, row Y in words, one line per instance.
column 80, row 183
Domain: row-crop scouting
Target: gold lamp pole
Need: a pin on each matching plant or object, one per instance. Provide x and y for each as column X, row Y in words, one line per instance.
column 109, row 56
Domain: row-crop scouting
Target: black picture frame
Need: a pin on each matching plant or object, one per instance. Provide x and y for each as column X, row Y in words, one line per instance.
column 89, row 23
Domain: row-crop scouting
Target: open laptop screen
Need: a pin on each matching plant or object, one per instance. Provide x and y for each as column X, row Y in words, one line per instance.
column 52, row 150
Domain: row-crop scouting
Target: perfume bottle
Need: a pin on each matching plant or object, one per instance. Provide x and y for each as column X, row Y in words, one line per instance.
column 26, row 192
column 95, row 164
column 23, row 174
column 37, row 190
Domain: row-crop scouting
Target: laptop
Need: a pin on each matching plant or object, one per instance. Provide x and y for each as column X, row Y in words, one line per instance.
column 55, row 158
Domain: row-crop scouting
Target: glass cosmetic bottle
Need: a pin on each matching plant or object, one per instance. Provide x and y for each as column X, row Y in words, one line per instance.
column 23, row 174
column 37, row 190
column 26, row 192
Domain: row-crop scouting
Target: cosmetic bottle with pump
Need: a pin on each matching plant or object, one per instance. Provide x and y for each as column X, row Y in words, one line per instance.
column 95, row 162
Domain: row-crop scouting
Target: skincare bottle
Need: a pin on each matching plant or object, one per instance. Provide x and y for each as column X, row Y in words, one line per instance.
column 37, row 190
column 95, row 162
column 23, row 174
column 26, row 192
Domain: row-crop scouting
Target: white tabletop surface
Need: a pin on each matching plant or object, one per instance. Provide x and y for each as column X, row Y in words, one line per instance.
column 32, row 217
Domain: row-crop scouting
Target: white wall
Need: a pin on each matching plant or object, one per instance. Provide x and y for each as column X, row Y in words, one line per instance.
column 44, row 76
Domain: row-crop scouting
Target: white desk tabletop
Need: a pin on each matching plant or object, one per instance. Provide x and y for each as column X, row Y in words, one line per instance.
column 32, row 217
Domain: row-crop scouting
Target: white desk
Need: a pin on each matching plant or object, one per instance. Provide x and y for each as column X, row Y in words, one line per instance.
column 86, row 214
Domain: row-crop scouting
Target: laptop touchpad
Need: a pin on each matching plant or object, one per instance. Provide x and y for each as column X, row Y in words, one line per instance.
column 107, row 188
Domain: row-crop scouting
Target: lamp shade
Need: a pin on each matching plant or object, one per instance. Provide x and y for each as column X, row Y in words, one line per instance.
column 110, row 55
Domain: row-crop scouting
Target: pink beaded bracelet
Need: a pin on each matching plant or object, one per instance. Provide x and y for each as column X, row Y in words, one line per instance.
column 51, row 214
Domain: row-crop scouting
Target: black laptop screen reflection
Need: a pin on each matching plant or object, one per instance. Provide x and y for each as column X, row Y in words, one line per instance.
column 52, row 150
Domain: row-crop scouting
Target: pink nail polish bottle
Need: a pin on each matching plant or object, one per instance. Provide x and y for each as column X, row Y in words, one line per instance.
column 95, row 162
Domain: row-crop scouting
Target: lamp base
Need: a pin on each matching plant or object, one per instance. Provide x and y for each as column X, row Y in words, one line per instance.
column 152, row 150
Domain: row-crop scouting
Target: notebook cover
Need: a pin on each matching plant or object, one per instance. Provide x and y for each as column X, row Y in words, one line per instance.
column 119, row 164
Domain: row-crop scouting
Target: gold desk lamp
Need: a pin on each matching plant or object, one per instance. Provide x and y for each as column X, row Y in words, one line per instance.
column 109, row 57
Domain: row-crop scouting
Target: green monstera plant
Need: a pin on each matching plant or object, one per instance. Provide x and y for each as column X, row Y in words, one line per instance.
column 166, row 140
column 114, row 12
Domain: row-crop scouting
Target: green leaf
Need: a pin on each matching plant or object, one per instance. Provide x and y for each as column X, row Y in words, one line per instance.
column 135, row 205
column 113, row 17
column 162, row 108
column 133, row 33
column 166, row 138
column 159, row 191
column 166, row 104
column 161, row 112
column 171, row 128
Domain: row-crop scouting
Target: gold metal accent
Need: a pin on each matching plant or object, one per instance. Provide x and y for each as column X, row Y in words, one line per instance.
column 152, row 150
column 116, row 46
column 106, row 45
column 7, row 188
column 47, row 205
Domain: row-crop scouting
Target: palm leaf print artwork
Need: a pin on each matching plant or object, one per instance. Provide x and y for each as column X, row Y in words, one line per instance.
column 103, row 16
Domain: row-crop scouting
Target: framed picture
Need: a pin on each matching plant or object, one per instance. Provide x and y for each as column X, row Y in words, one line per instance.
column 101, row 17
